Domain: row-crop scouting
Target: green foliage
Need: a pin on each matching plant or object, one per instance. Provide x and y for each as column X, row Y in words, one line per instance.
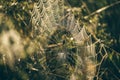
column 34, row 65
column 63, row 56
column 19, row 11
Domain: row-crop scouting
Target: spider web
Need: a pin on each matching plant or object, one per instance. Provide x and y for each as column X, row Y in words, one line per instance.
column 46, row 15
column 86, row 52
column 50, row 15
column 106, row 55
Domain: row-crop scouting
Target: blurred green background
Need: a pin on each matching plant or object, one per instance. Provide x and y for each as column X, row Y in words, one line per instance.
column 16, row 14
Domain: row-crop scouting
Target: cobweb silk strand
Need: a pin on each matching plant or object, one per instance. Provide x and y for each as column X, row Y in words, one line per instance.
column 46, row 17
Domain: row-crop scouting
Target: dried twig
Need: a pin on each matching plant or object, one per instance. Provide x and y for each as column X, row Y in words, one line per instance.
column 102, row 9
